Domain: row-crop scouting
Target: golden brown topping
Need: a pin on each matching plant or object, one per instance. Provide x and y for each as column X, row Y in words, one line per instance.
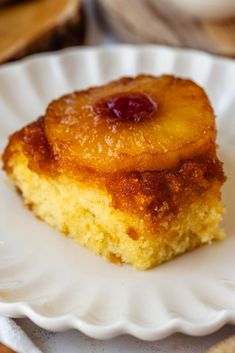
column 160, row 193
column 36, row 146
column 181, row 126
column 35, row 141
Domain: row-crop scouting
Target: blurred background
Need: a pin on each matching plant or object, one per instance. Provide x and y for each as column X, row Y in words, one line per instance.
column 31, row 26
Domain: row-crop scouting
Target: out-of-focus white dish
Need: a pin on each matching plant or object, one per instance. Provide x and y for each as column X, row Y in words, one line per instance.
column 207, row 9
column 60, row 285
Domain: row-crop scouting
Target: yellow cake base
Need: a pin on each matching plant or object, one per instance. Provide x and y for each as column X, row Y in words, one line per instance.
column 84, row 212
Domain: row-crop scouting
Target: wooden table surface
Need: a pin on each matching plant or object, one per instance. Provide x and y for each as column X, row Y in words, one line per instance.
column 4, row 349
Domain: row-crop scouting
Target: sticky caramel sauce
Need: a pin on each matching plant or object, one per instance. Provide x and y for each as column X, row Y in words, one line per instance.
column 36, row 146
column 161, row 193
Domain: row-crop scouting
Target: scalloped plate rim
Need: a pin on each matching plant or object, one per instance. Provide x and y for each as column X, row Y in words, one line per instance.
column 23, row 309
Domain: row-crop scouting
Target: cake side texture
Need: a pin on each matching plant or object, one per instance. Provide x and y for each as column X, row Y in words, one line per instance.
column 113, row 224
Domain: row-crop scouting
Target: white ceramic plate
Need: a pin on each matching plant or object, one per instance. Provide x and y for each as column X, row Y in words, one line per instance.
column 60, row 285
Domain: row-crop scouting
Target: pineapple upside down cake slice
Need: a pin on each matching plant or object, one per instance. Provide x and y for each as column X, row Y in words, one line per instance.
column 128, row 169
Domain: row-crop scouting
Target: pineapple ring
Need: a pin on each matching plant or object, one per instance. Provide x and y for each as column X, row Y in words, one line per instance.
column 132, row 124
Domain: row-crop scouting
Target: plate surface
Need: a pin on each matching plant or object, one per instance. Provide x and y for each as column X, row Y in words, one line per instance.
column 60, row 285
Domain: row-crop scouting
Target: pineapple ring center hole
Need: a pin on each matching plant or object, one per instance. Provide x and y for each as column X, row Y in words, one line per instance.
column 134, row 107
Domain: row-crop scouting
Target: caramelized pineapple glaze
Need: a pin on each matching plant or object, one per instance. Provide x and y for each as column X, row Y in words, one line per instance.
column 128, row 169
